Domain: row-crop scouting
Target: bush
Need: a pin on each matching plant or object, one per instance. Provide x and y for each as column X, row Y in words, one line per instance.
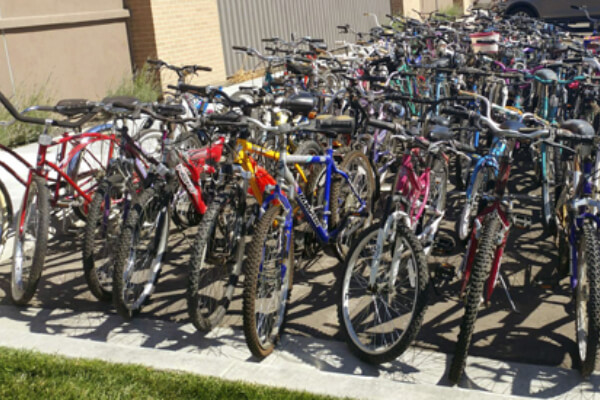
column 145, row 85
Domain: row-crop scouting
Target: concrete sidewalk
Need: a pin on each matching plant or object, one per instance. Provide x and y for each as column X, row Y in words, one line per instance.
column 300, row 363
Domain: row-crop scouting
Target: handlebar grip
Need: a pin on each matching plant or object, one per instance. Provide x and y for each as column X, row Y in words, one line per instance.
column 376, row 123
column 269, row 40
column 316, row 40
column 239, row 48
column 201, row 68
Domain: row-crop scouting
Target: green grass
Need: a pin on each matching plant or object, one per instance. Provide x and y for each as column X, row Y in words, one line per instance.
column 20, row 133
column 145, row 85
column 29, row 375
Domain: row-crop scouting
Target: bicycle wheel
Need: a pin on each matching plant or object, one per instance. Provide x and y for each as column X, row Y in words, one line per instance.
column 268, row 276
column 343, row 203
column 438, row 188
column 467, row 215
column 380, row 322
column 480, row 270
column 6, row 215
column 86, row 169
column 31, row 241
column 462, row 165
column 138, row 259
column 106, row 214
column 587, row 299
column 212, row 279
column 548, row 195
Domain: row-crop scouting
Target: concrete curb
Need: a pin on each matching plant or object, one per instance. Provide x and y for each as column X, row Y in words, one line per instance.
column 300, row 363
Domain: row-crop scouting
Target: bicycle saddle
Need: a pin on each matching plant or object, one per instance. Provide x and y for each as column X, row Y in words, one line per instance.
column 331, row 126
column 578, row 127
column 546, row 74
column 300, row 103
column 120, row 100
column 299, row 69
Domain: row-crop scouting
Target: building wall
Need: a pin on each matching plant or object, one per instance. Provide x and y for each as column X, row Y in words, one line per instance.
column 65, row 48
column 179, row 32
column 245, row 23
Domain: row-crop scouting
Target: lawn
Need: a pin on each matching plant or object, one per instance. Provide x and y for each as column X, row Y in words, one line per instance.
column 30, row 375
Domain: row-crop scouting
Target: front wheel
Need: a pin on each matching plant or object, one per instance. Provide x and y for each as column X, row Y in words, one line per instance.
column 138, row 259
column 380, row 321
column 480, row 270
column 31, row 242
column 268, row 274
column 587, row 299
column 214, row 274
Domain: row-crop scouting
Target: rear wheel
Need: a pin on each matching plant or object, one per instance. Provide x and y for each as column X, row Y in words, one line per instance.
column 212, row 280
column 106, row 214
column 268, row 274
column 142, row 244
column 343, row 203
column 31, row 241
column 587, row 299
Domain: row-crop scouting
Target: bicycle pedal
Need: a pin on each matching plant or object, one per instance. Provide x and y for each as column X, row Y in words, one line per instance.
column 445, row 272
column 521, row 221
column 443, row 245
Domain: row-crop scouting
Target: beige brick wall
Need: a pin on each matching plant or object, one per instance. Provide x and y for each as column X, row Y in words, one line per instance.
column 182, row 31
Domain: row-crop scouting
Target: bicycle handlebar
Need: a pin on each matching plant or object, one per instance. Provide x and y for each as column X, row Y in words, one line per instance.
column 46, row 121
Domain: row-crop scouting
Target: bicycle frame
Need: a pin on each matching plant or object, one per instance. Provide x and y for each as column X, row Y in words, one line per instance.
column 321, row 227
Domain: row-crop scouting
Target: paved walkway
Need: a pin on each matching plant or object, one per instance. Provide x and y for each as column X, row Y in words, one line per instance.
column 301, row 363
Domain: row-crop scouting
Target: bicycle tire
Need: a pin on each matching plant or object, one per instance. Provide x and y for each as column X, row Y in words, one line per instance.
column 340, row 208
column 98, row 262
column 482, row 263
column 6, row 215
column 587, row 301
column 383, row 353
column 22, row 291
column 548, row 194
column 253, row 274
column 128, row 238
column 207, row 309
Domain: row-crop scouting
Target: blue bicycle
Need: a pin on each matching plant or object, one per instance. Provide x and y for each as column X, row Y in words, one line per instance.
column 345, row 209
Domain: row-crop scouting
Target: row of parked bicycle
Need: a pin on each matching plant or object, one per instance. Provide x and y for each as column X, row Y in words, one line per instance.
column 347, row 150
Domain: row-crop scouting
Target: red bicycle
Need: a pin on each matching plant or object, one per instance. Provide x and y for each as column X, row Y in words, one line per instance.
column 82, row 159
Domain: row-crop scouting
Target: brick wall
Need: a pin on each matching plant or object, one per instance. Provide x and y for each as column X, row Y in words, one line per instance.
column 178, row 32
column 397, row 7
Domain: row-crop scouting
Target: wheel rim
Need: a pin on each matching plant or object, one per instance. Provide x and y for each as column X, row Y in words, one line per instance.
column 581, row 306
column 145, row 257
column 25, row 246
column 272, row 287
column 375, row 306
